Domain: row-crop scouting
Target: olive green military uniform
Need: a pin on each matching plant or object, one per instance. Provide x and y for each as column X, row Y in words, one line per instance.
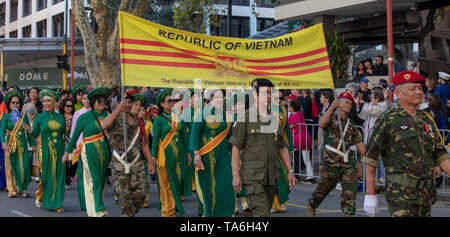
column 411, row 148
column 335, row 169
column 260, row 170
column 131, row 188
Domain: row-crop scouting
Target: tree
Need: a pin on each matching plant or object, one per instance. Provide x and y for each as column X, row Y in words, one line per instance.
column 340, row 56
column 101, row 48
column 204, row 13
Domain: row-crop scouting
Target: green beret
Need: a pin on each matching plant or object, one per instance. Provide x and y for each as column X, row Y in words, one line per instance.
column 162, row 95
column 103, row 90
column 13, row 93
column 49, row 93
column 235, row 97
column 139, row 97
column 77, row 88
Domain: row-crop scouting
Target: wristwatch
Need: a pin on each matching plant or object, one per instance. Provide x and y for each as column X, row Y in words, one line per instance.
column 291, row 171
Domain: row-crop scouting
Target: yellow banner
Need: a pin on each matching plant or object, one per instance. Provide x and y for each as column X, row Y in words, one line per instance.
column 158, row 56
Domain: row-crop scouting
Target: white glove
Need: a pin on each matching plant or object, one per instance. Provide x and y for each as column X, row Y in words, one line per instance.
column 370, row 205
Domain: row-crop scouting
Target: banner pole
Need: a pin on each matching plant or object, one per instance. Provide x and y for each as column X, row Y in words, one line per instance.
column 124, row 118
column 340, row 122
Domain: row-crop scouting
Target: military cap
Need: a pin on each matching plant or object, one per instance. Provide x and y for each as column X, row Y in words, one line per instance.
column 259, row 82
column 99, row 91
column 139, row 97
column 383, row 82
column 49, row 93
column 77, row 88
column 346, row 95
column 13, row 93
column 408, row 77
column 131, row 92
column 163, row 94
column 444, row 75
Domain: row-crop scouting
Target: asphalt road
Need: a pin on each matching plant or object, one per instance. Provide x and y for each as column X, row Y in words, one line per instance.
column 25, row 207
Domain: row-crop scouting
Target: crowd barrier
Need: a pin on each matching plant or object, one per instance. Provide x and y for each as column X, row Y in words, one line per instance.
column 317, row 146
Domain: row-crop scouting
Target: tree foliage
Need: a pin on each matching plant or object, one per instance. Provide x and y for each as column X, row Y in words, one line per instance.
column 340, row 55
column 197, row 15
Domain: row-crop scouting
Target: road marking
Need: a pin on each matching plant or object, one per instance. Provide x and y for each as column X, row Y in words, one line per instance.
column 20, row 213
column 330, row 211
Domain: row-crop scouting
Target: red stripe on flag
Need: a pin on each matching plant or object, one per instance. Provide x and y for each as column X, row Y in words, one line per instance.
column 158, row 44
column 158, row 53
column 291, row 57
column 167, row 64
column 269, row 60
column 294, row 73
column 302, row 64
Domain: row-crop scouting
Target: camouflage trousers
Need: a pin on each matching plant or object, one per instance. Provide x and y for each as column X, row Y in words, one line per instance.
column 329, row 177
column 260, row 198
column 409, row 202
column 131, row 189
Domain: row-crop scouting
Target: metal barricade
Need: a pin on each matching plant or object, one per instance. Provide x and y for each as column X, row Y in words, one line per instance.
column 445, row 185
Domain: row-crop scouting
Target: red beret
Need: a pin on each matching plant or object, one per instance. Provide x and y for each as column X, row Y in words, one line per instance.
column 408, row 77
column 292, row 97
column 131, row 92
column 346, row 95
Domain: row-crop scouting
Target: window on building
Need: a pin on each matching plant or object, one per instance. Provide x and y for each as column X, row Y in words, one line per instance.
column 2, row 36
column 236, row 2
column 41, row 4
column 266, row 3
column 13, row 10
column 58, row 25
column 26, row 31
column 264, row 23
column 240, row 27
column 26, row 7
column 13, row 34
column 2, row 14
column 41, row 27
column 57, row 1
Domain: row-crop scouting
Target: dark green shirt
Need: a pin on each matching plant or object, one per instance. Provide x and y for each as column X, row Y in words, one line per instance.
column 260, row 159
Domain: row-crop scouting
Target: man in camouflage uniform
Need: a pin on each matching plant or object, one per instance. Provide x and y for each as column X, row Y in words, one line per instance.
column 261, row 151
column 338, row 166
column 129, row 170
column 411, row 148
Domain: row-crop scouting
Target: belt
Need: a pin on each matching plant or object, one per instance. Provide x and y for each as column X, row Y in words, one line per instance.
column 126, row 164
column 344, row 155
column 409, row 182
column 121, row 158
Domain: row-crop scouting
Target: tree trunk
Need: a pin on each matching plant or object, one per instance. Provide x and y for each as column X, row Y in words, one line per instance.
column 101, row 48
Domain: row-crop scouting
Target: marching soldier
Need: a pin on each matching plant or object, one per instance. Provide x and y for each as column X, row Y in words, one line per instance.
column 129, row 168
column 261, row 153
column 411, row 148
column 337, row 165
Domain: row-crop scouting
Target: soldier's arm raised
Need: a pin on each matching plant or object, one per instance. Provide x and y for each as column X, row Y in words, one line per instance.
column 109, row 121
column 325, row 119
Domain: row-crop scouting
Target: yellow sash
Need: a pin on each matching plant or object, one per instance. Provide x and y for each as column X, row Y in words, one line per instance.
column 13, row 138
column 215, row 141
column 86, row 140
column 163, row 145
column 283, row 123
column 431, row 118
